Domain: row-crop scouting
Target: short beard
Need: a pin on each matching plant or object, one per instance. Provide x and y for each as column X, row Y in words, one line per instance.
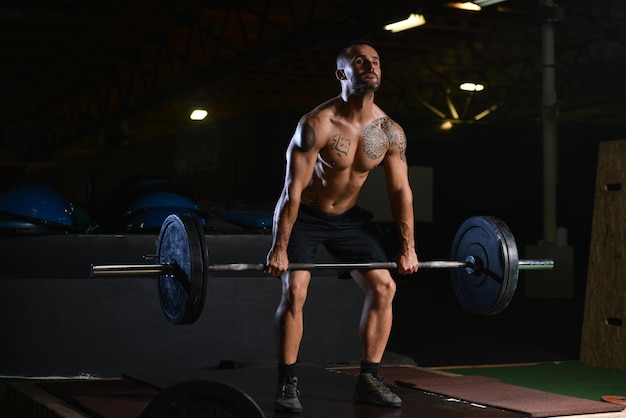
column 363, row 87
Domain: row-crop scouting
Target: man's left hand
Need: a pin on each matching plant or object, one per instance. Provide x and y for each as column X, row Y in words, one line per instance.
column 407, row 262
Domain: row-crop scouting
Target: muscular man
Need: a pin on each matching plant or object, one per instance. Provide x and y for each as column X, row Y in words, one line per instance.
column 333, row 149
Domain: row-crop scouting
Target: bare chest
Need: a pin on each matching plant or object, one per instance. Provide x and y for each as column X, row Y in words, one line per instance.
column 358, row 149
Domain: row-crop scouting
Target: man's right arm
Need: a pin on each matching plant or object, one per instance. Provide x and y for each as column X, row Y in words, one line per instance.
column 301, row 157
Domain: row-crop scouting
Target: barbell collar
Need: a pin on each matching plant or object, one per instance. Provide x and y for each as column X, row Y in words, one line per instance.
column 536, row 264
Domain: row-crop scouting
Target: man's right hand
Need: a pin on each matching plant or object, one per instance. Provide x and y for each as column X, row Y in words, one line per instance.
column 277, row 263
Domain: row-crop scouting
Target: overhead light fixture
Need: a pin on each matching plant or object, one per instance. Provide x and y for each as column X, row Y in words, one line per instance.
column 414, row 20
column 446, row 125
column 485, row 3
column 468, row 5
column 472, row 87
column 198, row 114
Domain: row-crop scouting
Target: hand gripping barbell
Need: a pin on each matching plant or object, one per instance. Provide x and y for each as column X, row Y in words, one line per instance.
column 485, row 266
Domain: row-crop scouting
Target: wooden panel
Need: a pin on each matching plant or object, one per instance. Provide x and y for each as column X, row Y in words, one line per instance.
column 604, row 335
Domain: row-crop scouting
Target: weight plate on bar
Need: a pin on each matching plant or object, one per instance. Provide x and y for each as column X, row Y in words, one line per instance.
column 181, row 291
column 200, row 398
column 490, row 287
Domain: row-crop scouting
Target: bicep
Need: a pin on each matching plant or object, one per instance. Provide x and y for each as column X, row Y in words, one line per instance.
column 301, row 156
column 396, row 174
column 304, row 138
column 300, row 167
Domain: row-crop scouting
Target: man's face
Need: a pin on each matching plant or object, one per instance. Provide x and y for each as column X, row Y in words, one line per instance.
column 363, row 69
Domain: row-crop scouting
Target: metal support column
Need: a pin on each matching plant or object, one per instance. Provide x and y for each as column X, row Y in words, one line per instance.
column 550, row 113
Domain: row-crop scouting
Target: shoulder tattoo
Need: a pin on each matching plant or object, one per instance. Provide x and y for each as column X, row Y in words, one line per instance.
column 305, row 139
column 380, row 135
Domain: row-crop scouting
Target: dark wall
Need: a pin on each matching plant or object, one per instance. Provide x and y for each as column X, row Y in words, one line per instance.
column 497, row 169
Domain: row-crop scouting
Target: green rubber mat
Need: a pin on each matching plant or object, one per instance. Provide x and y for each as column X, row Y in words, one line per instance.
column 564, row 378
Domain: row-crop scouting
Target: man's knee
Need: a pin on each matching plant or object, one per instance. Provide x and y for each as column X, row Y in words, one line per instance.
column 379, row 283
column 295, row 290
column 386, row 288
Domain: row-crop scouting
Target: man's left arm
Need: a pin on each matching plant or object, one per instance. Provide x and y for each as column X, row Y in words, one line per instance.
column 401, row 197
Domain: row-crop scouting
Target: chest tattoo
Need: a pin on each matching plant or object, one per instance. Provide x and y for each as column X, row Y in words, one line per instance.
column 375, row 138
column 381, row 134
column 340, row 145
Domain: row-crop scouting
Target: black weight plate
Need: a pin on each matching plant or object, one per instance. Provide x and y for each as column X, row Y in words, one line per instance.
column 181, row 244
column 200, row 398
column 488, row 289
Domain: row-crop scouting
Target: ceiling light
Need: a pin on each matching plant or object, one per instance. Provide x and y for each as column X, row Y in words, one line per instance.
column 468, row 5
column 485, row 3
column 198, row 114
column 472, row 87
column 413, row 21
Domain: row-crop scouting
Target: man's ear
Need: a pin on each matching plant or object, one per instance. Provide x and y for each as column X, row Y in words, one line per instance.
column 340, row 74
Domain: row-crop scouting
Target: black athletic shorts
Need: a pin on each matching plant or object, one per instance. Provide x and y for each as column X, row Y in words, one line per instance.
column 346, row 237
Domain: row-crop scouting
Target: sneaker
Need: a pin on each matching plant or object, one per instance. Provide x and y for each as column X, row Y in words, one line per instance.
column 373, row 391
column 287, row 396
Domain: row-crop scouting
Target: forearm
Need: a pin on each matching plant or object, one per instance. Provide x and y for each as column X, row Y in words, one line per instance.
column 402, row 209
column 285, row 215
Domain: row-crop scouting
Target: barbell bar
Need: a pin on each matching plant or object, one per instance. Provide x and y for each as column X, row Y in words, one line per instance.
column 157, row 269
column 485, row 267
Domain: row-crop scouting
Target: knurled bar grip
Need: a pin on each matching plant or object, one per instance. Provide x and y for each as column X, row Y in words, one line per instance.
column 153, row 269
column 523, row 265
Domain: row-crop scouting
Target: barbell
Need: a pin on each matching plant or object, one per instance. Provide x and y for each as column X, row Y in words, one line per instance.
column 485, row 266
